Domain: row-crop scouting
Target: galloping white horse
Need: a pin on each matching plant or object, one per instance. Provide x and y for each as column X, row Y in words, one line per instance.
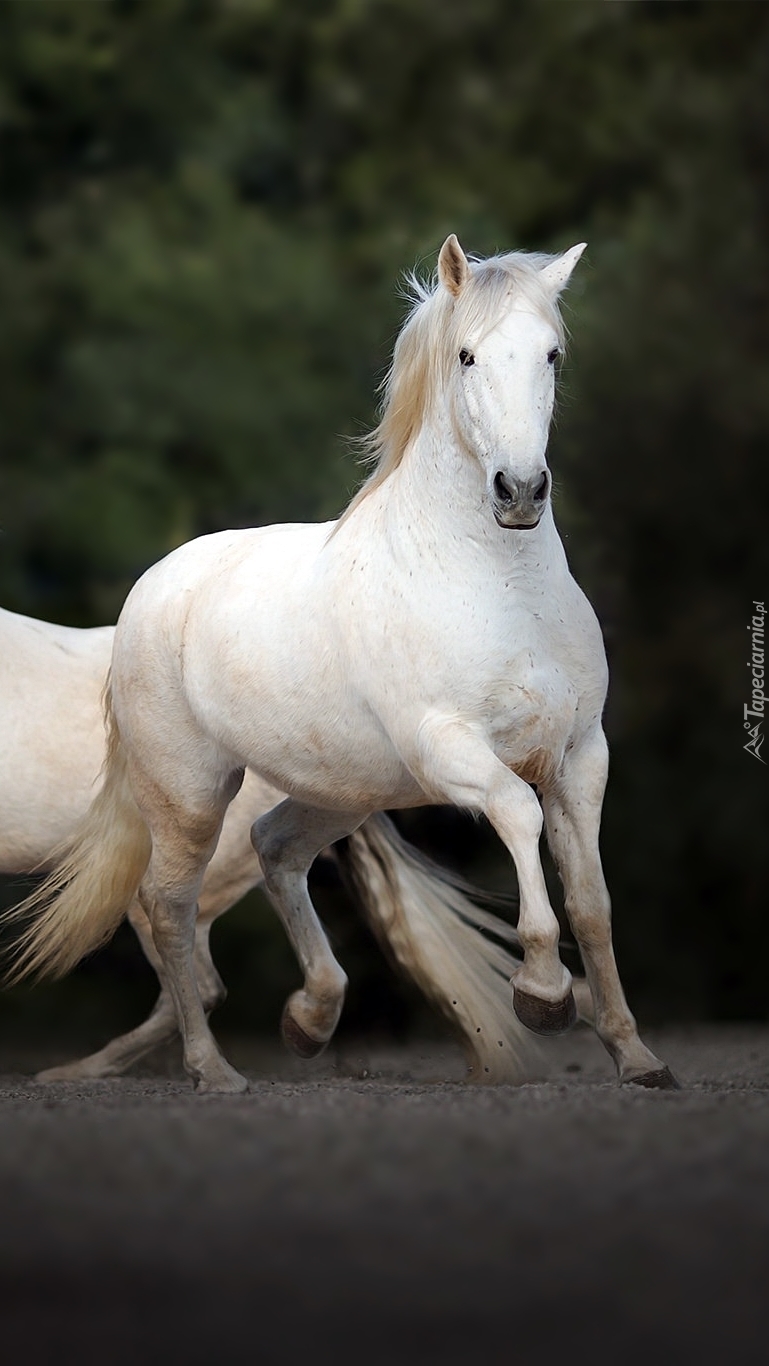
column 52, row 748
column 431, row 646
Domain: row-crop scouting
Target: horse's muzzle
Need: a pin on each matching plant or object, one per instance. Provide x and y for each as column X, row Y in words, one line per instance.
column 519, row 503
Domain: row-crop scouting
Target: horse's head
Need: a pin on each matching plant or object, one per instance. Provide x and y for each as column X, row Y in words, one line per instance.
column 506, row 339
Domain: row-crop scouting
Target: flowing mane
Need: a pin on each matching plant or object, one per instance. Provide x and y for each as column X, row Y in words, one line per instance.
column 437, row 326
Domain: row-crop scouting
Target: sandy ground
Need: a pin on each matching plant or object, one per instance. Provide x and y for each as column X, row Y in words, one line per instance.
column 365, row 1209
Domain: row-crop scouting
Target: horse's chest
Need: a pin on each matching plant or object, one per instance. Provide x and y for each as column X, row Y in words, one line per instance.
column 531, row 714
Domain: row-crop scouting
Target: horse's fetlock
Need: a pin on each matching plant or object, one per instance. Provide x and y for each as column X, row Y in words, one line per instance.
column 330, row 985
column 541, row 940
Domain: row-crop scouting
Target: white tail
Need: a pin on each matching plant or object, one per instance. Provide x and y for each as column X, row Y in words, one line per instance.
column 80, row 905
column 434, row 933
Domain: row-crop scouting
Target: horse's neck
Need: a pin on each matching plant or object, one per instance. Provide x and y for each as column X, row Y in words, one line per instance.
column 435, row 507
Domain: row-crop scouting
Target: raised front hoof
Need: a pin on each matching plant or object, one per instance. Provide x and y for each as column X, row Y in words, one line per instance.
column 295, row 1038
column 544, row 1017
column 660, row 1079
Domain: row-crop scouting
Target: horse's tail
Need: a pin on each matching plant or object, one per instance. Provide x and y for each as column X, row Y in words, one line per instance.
column 82, row 902
column 434, row 932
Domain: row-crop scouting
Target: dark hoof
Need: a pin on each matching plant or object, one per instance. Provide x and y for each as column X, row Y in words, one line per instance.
column 544, row 1017
column 661, row 1079
column 296, row 1039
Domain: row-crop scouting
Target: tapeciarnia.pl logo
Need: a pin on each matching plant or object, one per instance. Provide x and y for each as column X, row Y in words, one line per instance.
column 753, row 712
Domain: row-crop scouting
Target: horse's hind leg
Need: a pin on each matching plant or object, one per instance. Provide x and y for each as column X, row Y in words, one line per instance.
column 573, row 814
column 160, row 1027
column 233, row 870
column 184, row 836
column 287, row 840
column 122, row 1052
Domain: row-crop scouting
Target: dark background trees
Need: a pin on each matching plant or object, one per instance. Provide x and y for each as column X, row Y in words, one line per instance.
column 204, row 211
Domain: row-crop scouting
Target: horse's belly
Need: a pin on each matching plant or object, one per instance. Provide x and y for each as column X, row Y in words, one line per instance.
column 354, row 777
column 327, row 757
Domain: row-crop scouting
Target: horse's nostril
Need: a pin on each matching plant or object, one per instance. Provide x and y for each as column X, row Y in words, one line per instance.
column 541, row 491
column 502, row 489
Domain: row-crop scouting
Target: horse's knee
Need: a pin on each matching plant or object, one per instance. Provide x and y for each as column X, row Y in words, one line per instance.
column 514, row 809
column 590, row 923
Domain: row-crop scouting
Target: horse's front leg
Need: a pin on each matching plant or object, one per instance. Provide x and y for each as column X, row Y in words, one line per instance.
column 288, row 840
column 457, row 765
column 573, row 816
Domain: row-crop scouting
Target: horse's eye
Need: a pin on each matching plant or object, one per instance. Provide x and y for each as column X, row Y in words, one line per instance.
column 466, row 358
column 553, row 355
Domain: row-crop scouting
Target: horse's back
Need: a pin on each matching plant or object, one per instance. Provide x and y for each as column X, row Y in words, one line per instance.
column 34, row 643
column 51, row 736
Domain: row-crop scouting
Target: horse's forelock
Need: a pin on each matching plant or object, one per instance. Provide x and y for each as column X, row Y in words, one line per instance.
column 493, row 280
column 438, row 325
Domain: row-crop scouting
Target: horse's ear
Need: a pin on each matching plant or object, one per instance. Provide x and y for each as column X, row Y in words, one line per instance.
column 556, row 274
column 453, row 269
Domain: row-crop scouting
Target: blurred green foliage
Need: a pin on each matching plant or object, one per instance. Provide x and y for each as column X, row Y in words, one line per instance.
column 204, row 211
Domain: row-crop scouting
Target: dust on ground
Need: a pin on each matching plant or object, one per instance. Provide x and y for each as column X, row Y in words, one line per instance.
column 373, row 1207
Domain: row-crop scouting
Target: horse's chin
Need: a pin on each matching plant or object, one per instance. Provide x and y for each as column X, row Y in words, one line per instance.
column 506, row 522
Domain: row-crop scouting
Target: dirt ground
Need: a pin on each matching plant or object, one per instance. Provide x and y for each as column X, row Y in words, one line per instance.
column 368, row 1209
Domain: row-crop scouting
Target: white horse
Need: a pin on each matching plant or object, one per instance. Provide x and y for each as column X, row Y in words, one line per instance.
column 52, row 749
column 431, row 646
